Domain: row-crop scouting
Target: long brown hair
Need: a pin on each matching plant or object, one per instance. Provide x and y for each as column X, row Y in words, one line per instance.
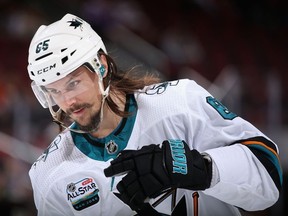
column 124, row 83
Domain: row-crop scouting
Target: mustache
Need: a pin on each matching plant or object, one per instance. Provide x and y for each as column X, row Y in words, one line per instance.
column 77, row 107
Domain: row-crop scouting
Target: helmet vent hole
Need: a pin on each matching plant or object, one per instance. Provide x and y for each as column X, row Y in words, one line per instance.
column 32, row 73
column 58, row 73
column 62, row 50
column 72, row 52
column 43, row 80
column 64, row 59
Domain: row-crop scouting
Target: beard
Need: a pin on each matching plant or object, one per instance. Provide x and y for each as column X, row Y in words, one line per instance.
column 94, row 118
column 92, row 125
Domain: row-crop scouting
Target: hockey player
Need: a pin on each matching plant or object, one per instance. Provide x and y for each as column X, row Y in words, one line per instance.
column 181, row 152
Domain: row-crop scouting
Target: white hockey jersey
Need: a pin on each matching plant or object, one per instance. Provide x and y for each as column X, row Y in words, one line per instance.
column 68, row 179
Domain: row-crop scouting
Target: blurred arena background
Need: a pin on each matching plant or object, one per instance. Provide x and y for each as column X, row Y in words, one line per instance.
column 237, row 49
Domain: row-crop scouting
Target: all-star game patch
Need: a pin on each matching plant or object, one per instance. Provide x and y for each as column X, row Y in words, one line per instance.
column 83, row 193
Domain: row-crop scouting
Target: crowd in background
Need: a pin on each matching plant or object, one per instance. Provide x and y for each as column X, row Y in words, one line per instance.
column 179, row 39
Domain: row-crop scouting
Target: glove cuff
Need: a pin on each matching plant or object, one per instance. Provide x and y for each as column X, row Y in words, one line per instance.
column 208, row 164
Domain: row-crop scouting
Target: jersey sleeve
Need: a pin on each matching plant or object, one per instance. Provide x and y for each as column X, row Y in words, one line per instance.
column 250, row 175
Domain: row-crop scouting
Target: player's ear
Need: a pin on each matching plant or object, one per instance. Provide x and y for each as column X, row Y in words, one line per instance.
column 104, row 65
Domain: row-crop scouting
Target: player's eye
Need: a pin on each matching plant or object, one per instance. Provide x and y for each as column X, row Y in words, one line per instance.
column 53, row 91
column 72, row 85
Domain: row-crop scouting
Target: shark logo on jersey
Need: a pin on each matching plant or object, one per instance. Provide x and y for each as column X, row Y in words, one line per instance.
column 160, row 88
column 51, row 148
column 83, row 193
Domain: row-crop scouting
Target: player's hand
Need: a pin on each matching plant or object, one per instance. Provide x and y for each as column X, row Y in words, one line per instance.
column 154, row 169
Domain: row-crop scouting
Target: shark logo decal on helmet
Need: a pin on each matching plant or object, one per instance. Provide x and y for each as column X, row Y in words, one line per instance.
column 76, row 23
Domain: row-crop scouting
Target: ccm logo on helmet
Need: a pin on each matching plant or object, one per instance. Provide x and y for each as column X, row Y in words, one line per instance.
column 46, row 69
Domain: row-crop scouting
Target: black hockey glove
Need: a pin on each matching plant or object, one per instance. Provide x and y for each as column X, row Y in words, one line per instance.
column 154, row 169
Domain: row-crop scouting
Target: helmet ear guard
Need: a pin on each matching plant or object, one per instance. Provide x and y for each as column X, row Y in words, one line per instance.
column 102, row 70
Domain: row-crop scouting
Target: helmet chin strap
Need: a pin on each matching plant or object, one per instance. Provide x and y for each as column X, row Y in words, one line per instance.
column 105, row 92
column 104, row 96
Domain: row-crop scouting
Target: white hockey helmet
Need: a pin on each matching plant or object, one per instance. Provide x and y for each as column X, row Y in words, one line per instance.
column 58, row 49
